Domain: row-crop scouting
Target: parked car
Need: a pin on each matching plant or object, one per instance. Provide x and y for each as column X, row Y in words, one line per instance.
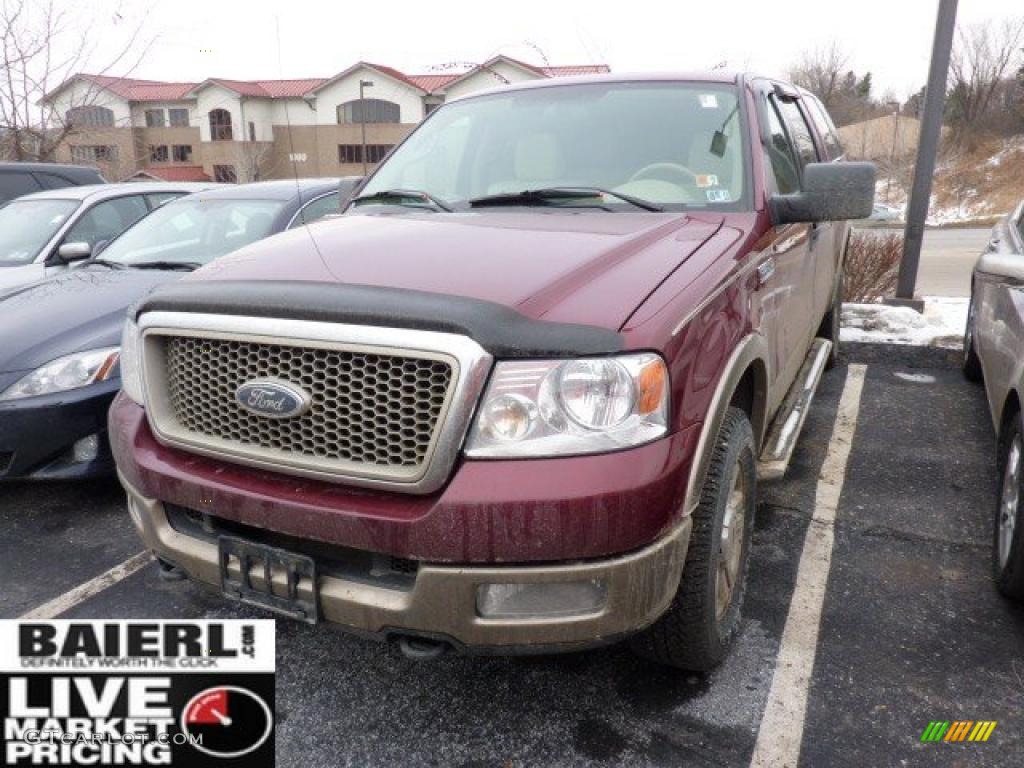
column 42, row 234
column 994, row 353
column 886, row 213
column 517, row 397
column 59, row 337
column 17, row 179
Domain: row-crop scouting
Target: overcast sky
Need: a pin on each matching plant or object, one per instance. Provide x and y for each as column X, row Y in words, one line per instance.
column 193, row 39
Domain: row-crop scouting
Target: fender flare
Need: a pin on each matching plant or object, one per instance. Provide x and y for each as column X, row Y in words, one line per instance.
column 751, row 349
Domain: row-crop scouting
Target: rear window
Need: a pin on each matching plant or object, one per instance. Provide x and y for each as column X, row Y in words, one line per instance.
column 16, row 184
column 826, row 128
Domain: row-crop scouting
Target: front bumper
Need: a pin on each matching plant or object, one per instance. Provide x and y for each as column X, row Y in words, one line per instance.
column 37, row 433
column 441, row 602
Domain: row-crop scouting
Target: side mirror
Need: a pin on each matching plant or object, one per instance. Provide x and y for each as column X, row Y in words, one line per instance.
column 1000, row 258
column 69, row 252
column 832, row 192
column 347, row 188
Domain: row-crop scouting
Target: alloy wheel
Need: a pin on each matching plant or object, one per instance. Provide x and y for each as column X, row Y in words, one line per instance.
column 730, row 546
column 1009, row 501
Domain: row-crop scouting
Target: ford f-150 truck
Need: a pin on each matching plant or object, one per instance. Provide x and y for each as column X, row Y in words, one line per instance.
column 519, row 396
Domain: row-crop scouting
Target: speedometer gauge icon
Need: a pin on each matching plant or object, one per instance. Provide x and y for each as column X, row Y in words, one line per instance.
column 227, row 721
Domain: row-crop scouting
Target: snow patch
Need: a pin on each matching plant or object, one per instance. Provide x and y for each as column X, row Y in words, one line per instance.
column 941, row 325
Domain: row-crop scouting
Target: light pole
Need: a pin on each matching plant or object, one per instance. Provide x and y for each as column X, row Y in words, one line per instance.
column 927, row 146
column 362, row 116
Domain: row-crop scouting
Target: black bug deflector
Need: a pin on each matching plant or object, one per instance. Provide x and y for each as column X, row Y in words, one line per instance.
column 503, row 332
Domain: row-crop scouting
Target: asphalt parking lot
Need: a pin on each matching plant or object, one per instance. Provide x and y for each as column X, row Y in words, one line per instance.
column 909, row 631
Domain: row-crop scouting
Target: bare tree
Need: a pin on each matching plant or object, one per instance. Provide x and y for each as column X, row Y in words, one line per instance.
column 255, row 161
column 985, row 56
column 40, row 48
column 820, row 71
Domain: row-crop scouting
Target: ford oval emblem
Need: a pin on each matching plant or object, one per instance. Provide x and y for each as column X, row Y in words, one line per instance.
column 273, row 399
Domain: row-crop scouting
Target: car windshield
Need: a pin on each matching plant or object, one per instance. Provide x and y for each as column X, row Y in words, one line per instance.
column 27, row 225
column 194, row 230
column 673, row 144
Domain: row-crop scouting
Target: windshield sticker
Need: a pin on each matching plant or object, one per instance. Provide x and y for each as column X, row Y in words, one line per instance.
column 709, row 101
column 705, row 180
column 719, row 196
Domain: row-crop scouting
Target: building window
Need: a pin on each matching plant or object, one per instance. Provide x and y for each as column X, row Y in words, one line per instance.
column 369, row 111
column 224, row 174
column 158, row 153
column 155, row 118
column 220, row 125
column 90, row 117
column 101, row 153
column 179, row 118
column 182, row 153
column 252, row 131
column 353, row 153
column 429, row 107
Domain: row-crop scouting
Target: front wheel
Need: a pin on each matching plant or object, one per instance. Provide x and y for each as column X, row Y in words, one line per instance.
column 697, row 629
column 1008, row 545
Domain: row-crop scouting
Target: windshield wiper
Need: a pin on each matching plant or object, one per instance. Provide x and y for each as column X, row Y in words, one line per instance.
column 406, row 194
column 550, row 194
column 105, row 263
column 188, row 266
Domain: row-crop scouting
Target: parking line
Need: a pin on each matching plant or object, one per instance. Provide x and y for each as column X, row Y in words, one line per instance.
column 782, row 726
column 83, row 592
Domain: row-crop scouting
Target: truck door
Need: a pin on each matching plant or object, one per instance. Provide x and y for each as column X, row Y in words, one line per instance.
column 790, row 288
column 821, row 268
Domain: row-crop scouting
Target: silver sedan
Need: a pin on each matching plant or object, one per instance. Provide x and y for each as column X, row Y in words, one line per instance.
column 994, row 353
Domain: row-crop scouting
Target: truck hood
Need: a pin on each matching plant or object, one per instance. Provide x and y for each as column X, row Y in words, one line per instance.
column 588, row 267
column 74, row 311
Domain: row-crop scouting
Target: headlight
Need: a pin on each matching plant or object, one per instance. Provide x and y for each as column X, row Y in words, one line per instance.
column 131, row 365
column 567, row 407
column 64, row 373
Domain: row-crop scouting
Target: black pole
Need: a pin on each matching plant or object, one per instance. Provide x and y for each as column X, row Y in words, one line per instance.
column 927, row 148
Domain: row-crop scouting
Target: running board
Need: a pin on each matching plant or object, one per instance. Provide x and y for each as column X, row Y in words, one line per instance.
column 785, row 429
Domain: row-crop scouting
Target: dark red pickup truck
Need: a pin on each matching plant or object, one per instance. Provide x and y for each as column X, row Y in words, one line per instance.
column 519, row 397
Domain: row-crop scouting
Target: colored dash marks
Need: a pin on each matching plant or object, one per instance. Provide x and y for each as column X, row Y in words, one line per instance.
column 958, row 730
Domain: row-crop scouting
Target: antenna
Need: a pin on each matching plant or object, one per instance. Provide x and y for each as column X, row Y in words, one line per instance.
column 291, row 146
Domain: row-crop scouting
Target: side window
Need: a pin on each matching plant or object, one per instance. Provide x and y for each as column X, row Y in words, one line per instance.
column 781, row 156
column 1020, row 225
column 826, row 128
column 106, row 220
column 803, row 139
column 16, row 184
column 316, row 209
column 50, row 181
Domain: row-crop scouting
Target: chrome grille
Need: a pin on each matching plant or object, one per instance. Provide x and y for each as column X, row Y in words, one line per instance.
column 368, row 409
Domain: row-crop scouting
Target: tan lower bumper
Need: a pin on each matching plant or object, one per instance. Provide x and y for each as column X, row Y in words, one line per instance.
column 442, row 602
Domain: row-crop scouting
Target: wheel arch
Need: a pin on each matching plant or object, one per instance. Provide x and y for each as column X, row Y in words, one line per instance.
column 743, row 383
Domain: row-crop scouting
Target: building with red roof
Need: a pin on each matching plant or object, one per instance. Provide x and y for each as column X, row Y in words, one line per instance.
column 244, row 130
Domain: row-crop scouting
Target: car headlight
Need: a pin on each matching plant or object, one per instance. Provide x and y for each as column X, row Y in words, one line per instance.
column 131, row 365
column 569, row 407
column 64, row 373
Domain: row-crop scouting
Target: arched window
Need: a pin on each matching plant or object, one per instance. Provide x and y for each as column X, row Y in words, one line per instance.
column 220, row 125
column 90, row 117
column 369, row 111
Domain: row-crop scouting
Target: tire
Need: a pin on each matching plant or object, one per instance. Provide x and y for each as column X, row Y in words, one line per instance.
column 696, row 631
column 1008, row 536
column 971, row 364
column 832, row 323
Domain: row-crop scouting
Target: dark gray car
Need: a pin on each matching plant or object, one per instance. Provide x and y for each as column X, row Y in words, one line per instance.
column 59, row 338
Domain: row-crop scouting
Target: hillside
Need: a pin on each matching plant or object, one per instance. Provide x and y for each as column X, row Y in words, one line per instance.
column 970, row 187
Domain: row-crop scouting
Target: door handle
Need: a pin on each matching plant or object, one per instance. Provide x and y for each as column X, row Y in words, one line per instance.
column 765, row 270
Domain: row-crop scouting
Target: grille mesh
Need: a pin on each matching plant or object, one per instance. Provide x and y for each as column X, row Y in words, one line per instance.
column 366, row 408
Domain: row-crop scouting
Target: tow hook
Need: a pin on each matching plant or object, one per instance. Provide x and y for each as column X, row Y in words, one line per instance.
column 421, row 649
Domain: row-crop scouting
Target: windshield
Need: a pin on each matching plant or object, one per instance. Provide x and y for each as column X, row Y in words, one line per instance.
column 27, row 225
column 677, row 145
column 194, row 230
